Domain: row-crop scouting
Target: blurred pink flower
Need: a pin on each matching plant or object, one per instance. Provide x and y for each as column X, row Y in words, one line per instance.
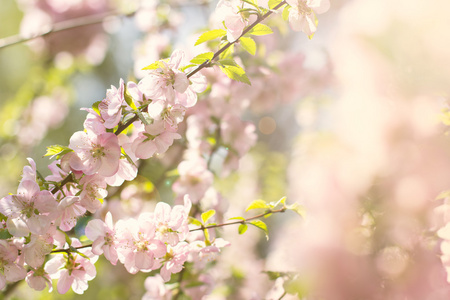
column 302, row 14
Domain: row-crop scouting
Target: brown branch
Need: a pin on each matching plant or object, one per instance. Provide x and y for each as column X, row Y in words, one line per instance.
column 62, row 26
column 281, row 210
column 207, row 63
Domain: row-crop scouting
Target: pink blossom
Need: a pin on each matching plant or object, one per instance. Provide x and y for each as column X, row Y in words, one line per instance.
column 235, row 22
column 138, row 246
column 171, row 84
column 171, row 224
column 12, row 272
column 74, row 271
column 38, row 279
column 302, row 14
column 29, row 172
column 30, row 206
column 135, row 93
column 202, row 253
column 194, row 180
column 155, row 139
column 94, row 122
column 170, row 114
column 238, row 134
column 156, row 289
column 111, row 107
column 38, row 247
column 70, row 208
column 127, row 165
column 174, row 260
column 166, row 81
column 95, row 153
column 94, row 189
column 103, row 236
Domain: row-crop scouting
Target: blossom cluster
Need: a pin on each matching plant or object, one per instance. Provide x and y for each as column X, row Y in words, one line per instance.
column 37, row 215
column 134, row 121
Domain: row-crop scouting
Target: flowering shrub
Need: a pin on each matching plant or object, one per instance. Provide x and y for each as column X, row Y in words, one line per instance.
column 178, row 161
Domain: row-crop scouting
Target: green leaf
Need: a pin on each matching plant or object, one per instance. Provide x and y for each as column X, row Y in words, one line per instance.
column 261, row 225
column 248, row 44
column 235, row 73
column 257, row 204
column 285, row 13
column 201, row 58
column 95, row 107
column 261, row 29
column 228, row 52
column 281, row 201
column 273, row 3
column 172, row 173
column 242, row 228
column 250, row 2
column 299, row 209
column 210, row 35
column 68, row 240
column 156, row 65
column 57, row 150
column 129, row 99
column 443, row 195
column 187, row 67
column 144, row 117
column 195, row 221
column 4, row 234
column 316, row 21
column 207, row 215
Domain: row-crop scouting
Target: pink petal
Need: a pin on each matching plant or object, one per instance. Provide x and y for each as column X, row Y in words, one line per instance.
column 64, row 282
column 144, row 260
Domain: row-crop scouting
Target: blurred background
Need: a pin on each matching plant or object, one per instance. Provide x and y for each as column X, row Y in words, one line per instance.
column 351, row 124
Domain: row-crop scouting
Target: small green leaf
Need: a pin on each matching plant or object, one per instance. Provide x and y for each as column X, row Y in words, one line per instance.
column 207, row 215
column 79, row 253
column 210, row 35
column 273, row 3
column 129, row 99
column 242, row 228
column 156, row 65
column 235, row 73
column 144, row 117
column 95, row 107
column 443, row 195
column 172, row 173
column 248, row 44
column 285, row 13
column 201, row 58
column 261, row 29
column 195, row 221
column 228, row 52
column 250, row 2
column 316, row 21
column 261, row 225
column 257, row 204
column 281, row 201
column 68, row 240
column 188, row 66
column 4, row 234
column 274, row 275
column 299, row 209
column 57, row 150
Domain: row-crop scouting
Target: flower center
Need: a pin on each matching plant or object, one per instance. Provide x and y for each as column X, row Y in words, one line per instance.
column 98, row 151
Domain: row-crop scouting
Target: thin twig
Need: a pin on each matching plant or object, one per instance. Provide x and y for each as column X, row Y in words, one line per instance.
column 281, row 210
column 62, row 26
column 228, row 45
